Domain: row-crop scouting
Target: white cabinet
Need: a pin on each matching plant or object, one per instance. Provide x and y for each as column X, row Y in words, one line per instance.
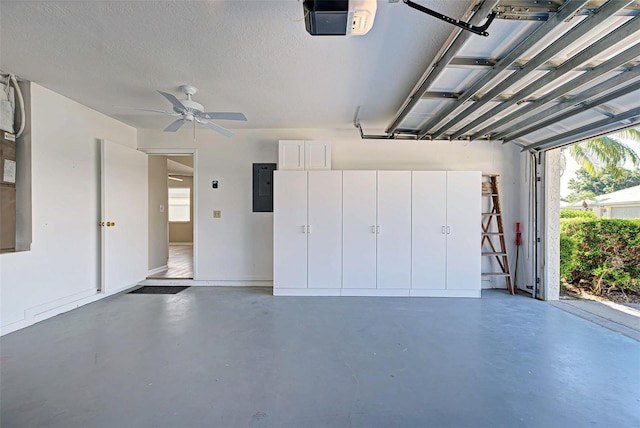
column 304, row 155
column 290, row 229
column 377, row 233
column 429, row 219
column 445, row 228
column 359, row 229
column 324, row 229
column 307, row 229
column 291, row 155
column 394, row 230
column 464, row 204
column 376, row 230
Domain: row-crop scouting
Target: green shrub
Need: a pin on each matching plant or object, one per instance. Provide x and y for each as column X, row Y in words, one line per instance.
column 607, row 252
column 569, row 213
column 567, row 256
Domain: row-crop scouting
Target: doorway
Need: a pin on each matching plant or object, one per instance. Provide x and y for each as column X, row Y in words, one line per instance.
column 171, row 216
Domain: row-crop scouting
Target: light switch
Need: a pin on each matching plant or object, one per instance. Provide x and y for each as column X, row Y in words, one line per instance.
column 217, row 213
column 161, row 208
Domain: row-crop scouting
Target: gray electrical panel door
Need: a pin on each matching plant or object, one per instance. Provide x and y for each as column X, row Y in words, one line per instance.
column 263, row 187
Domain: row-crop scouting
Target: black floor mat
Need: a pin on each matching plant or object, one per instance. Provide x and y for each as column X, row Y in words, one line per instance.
column 147, row 289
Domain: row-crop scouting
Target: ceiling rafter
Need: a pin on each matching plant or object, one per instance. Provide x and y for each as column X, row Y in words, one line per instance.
column 569, row 9
column 573, row 84
column 602, row 14
column 530, row 124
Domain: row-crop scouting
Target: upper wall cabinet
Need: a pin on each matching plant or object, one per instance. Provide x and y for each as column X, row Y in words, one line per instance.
column 301, row 155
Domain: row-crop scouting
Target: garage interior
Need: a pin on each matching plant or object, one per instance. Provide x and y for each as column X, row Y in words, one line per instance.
column 416, row 93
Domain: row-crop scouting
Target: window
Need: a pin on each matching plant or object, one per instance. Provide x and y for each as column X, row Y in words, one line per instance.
column 179, row 204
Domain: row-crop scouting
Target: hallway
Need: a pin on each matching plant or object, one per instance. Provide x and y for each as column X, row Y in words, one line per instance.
column 179, row 265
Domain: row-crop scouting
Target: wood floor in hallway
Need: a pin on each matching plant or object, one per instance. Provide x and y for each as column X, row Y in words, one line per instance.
column 180, row 264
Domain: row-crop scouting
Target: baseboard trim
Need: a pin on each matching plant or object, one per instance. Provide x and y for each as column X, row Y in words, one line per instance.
column 157, row 270
column 206, row 283
column 190, row 244
column 50, row 309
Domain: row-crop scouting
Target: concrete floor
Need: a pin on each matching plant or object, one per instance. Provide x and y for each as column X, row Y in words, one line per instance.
column 224, row 357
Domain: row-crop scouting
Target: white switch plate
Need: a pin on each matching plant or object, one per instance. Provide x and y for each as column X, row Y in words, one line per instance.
column 161, row 208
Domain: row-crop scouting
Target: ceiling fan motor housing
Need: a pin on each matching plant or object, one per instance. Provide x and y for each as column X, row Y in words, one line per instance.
column 190, row 106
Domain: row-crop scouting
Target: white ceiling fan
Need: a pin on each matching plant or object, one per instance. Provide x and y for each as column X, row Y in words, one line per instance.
column 190, row 111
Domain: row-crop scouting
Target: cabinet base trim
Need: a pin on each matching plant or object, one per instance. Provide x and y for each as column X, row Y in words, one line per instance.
column 306, row 291
column 445, row 293
column 374, row 292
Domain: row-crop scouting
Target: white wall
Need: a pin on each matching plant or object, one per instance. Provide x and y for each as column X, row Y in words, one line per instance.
column 63, row 264
column 158, row 234
column 238, row 247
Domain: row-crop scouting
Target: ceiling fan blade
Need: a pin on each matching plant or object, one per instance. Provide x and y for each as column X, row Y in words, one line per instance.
column 173, row 100
column 223, row 115
column 175, row 125
column 151, row 110
column 217, row 128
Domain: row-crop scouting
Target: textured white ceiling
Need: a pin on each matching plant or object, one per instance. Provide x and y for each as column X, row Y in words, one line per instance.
column 249, row 56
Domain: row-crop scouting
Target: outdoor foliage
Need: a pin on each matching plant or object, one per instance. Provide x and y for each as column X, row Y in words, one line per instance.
column 607, row 253
column 567, row 256
column 607, row 153
column 604, row 182
column 567, row 213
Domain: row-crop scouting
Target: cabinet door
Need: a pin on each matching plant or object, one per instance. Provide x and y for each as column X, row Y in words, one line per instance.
column 289, row 229
column 394, row 229
column 464, row 202
column 325, row 229
column 358, row 229
column 291, row 155
column 428, row 230
column 317, row 155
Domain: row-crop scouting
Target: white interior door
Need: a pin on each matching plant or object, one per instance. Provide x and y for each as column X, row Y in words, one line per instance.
column 125, row 217
column 464, row 203
column 358, row 229
column 324, row 229
column 429, row 239
column 290, row 229
column 394, row 229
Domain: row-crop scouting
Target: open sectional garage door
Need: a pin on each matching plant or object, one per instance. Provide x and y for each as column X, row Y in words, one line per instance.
column 548, row 74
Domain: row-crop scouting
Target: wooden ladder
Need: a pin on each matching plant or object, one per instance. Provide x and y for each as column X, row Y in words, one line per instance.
column 499, row 249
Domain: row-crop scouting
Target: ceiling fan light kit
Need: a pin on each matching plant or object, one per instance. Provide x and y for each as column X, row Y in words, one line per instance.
column 190, row 111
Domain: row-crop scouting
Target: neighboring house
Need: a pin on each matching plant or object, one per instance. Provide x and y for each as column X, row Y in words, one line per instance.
column 623, row 203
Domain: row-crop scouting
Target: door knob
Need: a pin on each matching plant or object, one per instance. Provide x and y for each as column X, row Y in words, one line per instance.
column 101, row 224
column 111, row 223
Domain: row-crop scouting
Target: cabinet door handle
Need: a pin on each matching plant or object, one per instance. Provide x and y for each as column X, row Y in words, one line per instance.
column 448, row 230
column 443, row 232
column 304, row 228
column 378, row 229
column 373, row 229
column 308, row 228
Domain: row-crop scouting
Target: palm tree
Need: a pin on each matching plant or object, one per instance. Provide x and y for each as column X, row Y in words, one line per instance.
column 609, row 152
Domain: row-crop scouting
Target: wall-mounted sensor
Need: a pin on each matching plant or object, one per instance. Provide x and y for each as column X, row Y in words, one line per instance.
column 214, row 184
